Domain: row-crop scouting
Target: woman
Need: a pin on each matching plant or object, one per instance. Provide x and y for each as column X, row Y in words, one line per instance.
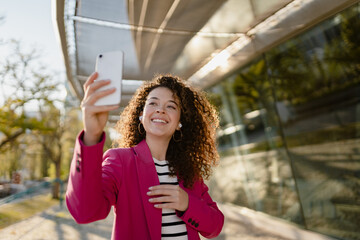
column 155, row 181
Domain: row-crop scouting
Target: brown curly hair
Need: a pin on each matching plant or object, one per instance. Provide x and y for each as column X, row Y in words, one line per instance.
column 191, row 158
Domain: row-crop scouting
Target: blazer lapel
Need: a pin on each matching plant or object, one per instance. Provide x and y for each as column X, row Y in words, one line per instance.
column 148, row 177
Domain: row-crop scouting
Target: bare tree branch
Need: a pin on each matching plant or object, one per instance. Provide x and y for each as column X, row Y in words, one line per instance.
column 12, row 137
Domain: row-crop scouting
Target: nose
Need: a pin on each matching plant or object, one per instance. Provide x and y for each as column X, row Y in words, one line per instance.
column 160, row 109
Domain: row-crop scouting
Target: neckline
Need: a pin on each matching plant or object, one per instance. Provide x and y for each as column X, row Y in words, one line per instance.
column 160, row 161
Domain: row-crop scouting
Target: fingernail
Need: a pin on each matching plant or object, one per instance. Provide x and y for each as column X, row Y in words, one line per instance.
column 150, row 188
column 150, row 200
column 148, row 193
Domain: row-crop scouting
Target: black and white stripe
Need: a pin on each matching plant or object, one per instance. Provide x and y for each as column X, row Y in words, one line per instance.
column 172, row 227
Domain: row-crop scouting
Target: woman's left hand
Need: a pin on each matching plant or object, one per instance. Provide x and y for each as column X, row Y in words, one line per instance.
column 169, row 196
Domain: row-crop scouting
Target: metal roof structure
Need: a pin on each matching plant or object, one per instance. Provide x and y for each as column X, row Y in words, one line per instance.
column 198, row 40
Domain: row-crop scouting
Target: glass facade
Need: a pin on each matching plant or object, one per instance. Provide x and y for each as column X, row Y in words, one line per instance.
column 290, row 130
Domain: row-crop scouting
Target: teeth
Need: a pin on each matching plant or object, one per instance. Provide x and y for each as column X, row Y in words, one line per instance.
column 158, row 120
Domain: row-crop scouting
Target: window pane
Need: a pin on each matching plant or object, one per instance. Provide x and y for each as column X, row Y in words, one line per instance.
column 317, row 82
column 289, row 135
column 253, row 157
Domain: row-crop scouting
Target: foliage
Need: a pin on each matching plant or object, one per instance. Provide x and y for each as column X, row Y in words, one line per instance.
column 299, row 76
column 21, row 85
column 33, row 128
column 24, row 84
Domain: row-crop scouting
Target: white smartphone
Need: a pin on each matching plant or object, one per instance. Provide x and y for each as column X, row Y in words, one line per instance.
column 109, row 66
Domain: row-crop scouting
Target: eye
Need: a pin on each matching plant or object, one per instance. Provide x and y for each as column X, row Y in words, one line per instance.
column 152, row 103
column 172, row 107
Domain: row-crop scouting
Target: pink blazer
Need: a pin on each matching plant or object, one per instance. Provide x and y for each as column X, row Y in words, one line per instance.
column 121, row 178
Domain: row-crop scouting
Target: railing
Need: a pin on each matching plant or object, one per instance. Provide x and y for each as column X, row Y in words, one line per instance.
column 32, row 190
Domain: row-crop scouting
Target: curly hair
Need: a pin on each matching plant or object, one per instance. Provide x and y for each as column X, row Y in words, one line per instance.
column 193, row 156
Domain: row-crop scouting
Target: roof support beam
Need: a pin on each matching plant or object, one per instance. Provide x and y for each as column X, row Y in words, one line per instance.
column 289, row 21
column 161, row 30
column 58, row 7
column 154, row 30
column 141, row 24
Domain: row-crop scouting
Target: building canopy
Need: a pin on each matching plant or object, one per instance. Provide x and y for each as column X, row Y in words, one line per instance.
column 199, row 40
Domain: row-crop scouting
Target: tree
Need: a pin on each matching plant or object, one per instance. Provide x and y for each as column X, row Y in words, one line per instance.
column 22, row 85
column 58, row 138
column 342, row 54
column 25, row 84
column 50, row 141
column 35, row 133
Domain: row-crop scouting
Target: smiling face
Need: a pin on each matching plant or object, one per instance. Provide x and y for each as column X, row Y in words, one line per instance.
column 161, row 115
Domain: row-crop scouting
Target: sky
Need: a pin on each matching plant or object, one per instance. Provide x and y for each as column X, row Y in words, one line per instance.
column 30, row 22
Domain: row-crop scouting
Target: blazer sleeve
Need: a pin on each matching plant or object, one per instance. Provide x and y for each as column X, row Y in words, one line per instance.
column 92, row 186
column 203, row 214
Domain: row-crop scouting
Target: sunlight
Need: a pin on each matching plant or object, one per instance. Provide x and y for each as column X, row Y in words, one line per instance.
column 219, row 60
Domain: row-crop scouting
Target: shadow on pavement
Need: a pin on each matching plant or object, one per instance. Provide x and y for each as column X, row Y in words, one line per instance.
column 57, row 223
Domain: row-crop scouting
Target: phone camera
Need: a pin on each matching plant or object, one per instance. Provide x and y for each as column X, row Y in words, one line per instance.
column 100, row 56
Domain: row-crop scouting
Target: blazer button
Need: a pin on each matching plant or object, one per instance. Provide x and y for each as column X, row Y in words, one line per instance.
column 193, row 223
column 189, row 221
column 78, row 165
column 196, row 225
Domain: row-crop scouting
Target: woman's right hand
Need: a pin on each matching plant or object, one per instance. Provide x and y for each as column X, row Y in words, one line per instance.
column 95, row 117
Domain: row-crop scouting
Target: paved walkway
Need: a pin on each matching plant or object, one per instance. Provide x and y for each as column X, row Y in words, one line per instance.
column 57, row 224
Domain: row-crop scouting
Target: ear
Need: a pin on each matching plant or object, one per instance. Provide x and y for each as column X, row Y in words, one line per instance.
column 141, row 116
column 179, row 126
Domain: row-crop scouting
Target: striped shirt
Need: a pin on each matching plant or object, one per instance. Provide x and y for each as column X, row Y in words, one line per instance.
column 172, row 227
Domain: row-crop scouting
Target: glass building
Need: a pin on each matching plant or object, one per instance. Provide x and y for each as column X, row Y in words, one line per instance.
column 290, row 130
column 284, row 75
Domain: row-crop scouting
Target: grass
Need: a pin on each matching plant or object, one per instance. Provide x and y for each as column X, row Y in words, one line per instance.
column 14, row 212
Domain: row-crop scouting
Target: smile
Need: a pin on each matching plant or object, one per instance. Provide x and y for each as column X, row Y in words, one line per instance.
column 158, row 120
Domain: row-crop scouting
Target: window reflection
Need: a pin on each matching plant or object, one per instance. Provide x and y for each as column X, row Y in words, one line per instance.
column 290, row 130
column 253, row 155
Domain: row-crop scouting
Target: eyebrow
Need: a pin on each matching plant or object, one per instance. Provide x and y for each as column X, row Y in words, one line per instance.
column 169, row 100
